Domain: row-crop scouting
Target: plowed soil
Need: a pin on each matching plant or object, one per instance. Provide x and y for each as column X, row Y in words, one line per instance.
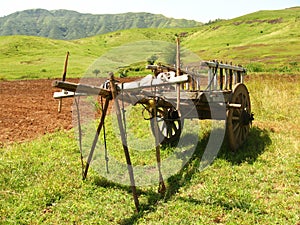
column 28, row 110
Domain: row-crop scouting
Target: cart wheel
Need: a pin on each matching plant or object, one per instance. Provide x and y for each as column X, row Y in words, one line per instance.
column 239, row 119
column 169, row 125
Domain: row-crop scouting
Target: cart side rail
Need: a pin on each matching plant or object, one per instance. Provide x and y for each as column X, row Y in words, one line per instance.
column 220, row 77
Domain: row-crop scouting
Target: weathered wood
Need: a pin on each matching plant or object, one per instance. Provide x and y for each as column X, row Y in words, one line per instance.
column 96, row 137
column 239, row 76
column 230, row 78
column 66, row 94
column 149, row 82
column 223, row 66
column 63, row 79
column 221, row 78
column 161, row 68
column 114, row 92
column 178, row 73
column 234, row 105
column 82, row 88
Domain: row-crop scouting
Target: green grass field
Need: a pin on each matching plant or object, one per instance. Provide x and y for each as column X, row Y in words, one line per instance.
column 40, row 180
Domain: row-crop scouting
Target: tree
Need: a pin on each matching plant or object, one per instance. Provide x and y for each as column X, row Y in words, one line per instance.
column 96, row 72
column 152, row 60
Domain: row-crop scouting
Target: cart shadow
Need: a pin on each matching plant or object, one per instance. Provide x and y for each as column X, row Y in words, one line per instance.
column 255, row 145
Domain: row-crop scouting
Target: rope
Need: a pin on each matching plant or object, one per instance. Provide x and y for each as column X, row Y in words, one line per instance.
column 79, row 133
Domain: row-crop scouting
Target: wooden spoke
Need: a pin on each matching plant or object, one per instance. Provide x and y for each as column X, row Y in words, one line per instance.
column 236, row 118
column 169, row 129
column 236, row 126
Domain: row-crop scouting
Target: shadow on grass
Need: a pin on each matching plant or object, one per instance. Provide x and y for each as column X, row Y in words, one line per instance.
column 255, row 145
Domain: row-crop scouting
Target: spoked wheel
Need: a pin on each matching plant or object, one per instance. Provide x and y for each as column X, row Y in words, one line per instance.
column 239, row 119
column 168, row 125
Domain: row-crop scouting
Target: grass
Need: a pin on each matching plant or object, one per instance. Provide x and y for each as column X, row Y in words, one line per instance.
column 265, row 41
column 40, row 181
column 253, row 38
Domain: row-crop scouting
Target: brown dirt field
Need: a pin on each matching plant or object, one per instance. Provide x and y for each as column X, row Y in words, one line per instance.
column 28, row 110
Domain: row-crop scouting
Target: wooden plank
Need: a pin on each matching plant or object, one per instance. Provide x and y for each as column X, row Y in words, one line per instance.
column 82, row 88
column 149, row 82
column 223, row 66
column 66, row 94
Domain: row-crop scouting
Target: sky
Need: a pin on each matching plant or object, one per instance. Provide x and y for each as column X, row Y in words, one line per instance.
column 198, row 10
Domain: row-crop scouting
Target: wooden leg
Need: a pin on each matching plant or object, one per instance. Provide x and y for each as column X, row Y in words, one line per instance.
column 124, row 142
column 96, row 138
column 162, row 187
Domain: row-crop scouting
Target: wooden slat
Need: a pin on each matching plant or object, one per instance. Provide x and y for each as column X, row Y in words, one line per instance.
column 223, row 66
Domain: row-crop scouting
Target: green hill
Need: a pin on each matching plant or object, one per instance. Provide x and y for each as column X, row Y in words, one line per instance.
column 68, row 25
column 27, row 57
column 265, row 41
column 269, row 40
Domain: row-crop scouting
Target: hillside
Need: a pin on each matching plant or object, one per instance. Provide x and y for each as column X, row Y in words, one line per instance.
column 265, row 41
column 67, row 25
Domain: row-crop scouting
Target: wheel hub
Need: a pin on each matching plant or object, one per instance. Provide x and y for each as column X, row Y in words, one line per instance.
column 246, row 117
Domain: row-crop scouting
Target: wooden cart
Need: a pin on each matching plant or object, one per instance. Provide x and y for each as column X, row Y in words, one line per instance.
column 224, row 93
column 225, row 88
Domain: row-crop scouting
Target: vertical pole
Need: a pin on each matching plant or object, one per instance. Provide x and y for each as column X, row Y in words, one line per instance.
column 226, row 79
column 124, row 141
column 198, row 81
column 230, row 78
column 65, row 67
column 242, row 77
column 210, row 74
column 215, row 74
column 194, row 82
column 63, row 79
column 221, row 78
column 162, row 187
column 235, row 77
column 178, row 71
column 238, row 76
